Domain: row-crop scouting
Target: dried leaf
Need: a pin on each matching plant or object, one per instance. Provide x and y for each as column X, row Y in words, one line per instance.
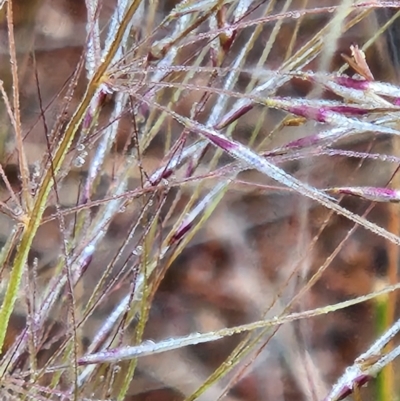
column 358, row 62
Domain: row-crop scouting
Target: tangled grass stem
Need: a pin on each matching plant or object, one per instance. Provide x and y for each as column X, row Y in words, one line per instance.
column 35, row 217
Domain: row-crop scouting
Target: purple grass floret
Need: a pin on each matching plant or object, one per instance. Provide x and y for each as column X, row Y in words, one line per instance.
column 322, row 114
column 349, row 110
column 200, row 207
column 366, row 366
column 86, row 263
column 347, row 389
column 166, row 173
column 163, row 175
column 234, row 116
column 358, row 84
column 308, row 112
column 190, row 168
column 194, row 161
column 221, row 142
column 371, row 193
column 304, row 142
column 87, row 121
column 317, row 139
column 181, row 231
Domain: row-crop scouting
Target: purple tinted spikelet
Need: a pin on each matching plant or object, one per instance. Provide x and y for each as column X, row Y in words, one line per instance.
column 230, row 118
column 304, row 142
column 308, row 112
column 347, row 389
column 358, row 84
column 222, row 142
column 374, row 194
column 180, row 232
column 348, row 110
column 322, row 114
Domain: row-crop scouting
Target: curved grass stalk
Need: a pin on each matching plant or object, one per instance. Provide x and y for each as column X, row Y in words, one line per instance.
column 151, row 348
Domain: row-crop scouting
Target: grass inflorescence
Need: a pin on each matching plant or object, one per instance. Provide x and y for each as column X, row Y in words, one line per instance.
column 199, row 199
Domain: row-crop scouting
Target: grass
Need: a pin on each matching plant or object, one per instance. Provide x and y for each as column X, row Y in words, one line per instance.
column 181, row 191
